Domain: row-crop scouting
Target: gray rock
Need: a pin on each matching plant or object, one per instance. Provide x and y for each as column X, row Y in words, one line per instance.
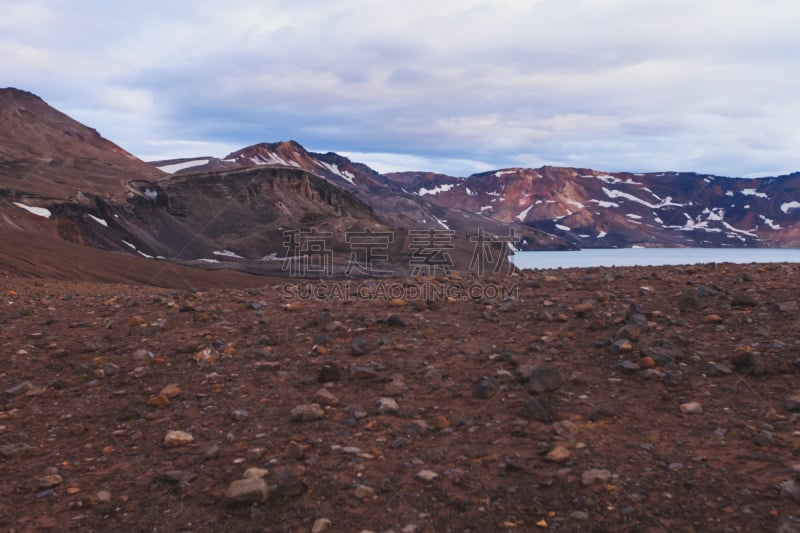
column 626, row 367
column 703, row 291
column 792, row 401
column 662, row 355
column 629, row 331
column 491, row 315
column 179, row 477
column 295, row 451
column 255, row 473
column 387, row 406
column 621, row 346
column 789, row 490
column 307, row 413
column 363, row 492
column 788, row 307
column 289, row 484
column 329, row 372
column 743, row 300
column 691, row 408
column 535, row 409
column 559, row 454
column 359, row 346
column 325, row 397
column 210, row 453
column 320, row 525
column 177, row 438
column 764, row 438
column 22, row 388
column 247, row 491
column 687, row 301
column 523, row 372
column 719, row 369
column 240, row 414
column 359, row 373
column 49, row 481
column 426, row 475
column 485, row 388
column 595, row 476
column 638, row 320
column 545, row 378
column 789, row 525
column 9, row 451
column 653, row 373
column 396, row 321
column 143, row 356
column 394, row 387
column 324, row 318
column 507, row 306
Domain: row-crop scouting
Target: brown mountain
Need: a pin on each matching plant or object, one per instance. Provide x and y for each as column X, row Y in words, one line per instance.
column 45, row 153
column 62, row 180
column 600, row 209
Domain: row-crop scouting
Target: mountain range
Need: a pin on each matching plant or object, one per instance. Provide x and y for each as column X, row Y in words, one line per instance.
column 62, row 180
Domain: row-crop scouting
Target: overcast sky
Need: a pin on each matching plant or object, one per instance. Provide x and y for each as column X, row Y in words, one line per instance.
column 453, row 86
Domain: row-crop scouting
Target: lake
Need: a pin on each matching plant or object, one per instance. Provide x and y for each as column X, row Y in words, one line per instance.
column 652, row 257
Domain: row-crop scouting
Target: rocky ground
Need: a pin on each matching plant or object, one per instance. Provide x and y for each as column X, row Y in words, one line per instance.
column 623, row 399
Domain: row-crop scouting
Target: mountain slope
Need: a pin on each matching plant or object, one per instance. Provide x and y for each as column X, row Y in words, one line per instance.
column 394, row 207
column 45, row 153
column 598, row 209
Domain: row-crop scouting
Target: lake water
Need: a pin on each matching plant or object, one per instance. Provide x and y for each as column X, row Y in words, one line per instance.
column 653, row 257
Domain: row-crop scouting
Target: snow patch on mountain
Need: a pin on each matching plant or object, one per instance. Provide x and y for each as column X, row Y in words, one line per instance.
column 38, row 211
column 786, row 206
column 737, row 230
column 270, row 159
column 524, row 213
column 611, row 193
column 442, row 223
column 175, row 167
column 344, row 174
column 769, row 222
column 603, row 203
column 752, row 192
column 441, row 188
column 575, row 203
column 228, row 253
column 99, row 220
column 501, row 173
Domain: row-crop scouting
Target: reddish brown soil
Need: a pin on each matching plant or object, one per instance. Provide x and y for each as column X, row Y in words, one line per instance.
column 83, row 442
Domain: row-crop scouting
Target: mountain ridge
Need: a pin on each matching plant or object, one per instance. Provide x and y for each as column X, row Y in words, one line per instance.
column 64, row 180
column 586, row 207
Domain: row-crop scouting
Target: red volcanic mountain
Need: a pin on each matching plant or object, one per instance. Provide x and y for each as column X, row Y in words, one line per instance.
column 44, row 152
column 600, row 209
column 61, row 179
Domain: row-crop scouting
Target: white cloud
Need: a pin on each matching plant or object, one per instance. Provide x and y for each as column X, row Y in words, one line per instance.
column 616, row 85
column 387, row 162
